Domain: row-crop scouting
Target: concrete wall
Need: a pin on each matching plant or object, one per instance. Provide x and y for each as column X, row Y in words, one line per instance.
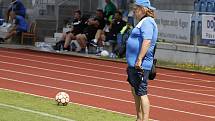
column 183, row 5
column 179, row 53
column 45, row 27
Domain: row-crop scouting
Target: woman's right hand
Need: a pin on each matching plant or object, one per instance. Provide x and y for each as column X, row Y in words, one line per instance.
column 138, row 64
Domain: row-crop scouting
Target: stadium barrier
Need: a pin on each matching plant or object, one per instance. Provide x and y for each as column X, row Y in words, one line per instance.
column 186, row 27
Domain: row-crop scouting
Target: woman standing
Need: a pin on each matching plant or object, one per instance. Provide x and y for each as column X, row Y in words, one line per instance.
column 139, row 55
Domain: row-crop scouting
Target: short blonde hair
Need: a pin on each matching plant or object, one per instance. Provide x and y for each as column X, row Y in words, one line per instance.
column 149, row 12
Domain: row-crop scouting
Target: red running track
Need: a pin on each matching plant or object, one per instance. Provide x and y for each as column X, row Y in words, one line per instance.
column 174, row 95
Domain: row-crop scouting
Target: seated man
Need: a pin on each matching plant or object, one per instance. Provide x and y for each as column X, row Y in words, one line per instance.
column 88, row 33
column 100, row 17
column 20, row 25
column 113, row 29
column 78, row 27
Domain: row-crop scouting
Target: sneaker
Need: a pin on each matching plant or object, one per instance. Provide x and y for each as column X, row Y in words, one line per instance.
column 94, row 40
column 66, row 49
column 98, row 54
column 113, row 55
column 2, row 41
column 93, row 43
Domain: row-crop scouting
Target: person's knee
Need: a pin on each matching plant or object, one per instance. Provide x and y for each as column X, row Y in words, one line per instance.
column 83, row 37
column 14, row 32
column 103, row 37
column 64, row 35
column 78, row 36
column 68, row 38
column 72, row 36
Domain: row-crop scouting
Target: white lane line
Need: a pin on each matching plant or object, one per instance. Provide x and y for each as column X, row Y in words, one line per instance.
column 191, row 81
column 63, row 89
column 35, row 112
column 101, row 96
column 62, row 65
column 200, row 90
column 212, row 117
column 102, row 71
column 185, row 101
column 64, row 72
column 110, row 73
column 113, row 80
column 110, row 88
column 115, row 73
column 179, row 90
column 64, row 80
column 204, row 80
column 114, row 67
column 109, row 79
column 67, row 60
column 184, row 84
column 205, row 101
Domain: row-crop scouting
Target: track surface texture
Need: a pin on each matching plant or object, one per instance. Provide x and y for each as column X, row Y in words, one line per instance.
column 174, row 95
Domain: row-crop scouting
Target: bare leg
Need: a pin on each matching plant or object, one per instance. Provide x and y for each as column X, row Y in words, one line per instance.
column 138, row 105
column 81, row 40
column 98, row 34
column 11, row 34
column 63, row 37
column 145, row 104
column 68, row 39
column 101, row 39
column 78, row 38
column 84, row 40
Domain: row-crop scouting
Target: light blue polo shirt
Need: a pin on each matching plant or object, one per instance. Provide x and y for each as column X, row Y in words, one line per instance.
column 147, row 30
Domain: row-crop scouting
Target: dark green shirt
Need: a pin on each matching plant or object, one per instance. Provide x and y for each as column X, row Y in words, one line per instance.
column 110, row 9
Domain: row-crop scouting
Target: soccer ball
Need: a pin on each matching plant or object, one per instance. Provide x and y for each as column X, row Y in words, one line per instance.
column 62, row 98
column 104, row 53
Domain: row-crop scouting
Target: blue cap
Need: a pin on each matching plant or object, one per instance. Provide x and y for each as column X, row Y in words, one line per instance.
column 144, row 3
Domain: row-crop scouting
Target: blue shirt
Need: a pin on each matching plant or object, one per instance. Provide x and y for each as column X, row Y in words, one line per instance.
column 21, row 23
column 146, row 31
column 18, row 8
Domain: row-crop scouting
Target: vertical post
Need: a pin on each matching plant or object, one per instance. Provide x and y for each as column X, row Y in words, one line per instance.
column 90, row 6
column 57, row 15
column 79, row 5
column 195, row 38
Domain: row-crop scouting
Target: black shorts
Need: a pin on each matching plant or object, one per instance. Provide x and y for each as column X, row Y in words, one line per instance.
column 90, row 32
column 90, row 36
column 138, row 80
column 110, row 36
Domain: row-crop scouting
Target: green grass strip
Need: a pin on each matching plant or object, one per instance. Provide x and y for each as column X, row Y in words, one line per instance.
column 187, row 66
column 21, row 107
column 172, row 65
